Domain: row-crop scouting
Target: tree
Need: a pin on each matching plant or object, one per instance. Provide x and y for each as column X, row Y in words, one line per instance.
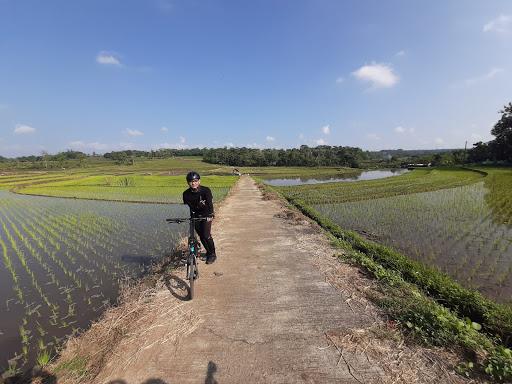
column 480, row 152
column 501, row 146
column 45, row 156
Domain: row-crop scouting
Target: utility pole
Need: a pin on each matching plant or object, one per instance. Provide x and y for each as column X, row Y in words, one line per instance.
column 465, row 150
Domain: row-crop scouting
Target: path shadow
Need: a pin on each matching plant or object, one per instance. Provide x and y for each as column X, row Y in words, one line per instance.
column 148, row 381
column 175, row 285
column 210, row 372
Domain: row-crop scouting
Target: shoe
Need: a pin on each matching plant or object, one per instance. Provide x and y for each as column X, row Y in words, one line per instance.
column 210, row 259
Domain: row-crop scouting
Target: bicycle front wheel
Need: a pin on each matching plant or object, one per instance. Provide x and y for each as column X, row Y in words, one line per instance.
column 192, row 275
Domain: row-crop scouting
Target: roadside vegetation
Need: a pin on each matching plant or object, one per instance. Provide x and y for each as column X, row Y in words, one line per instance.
column 426, row 303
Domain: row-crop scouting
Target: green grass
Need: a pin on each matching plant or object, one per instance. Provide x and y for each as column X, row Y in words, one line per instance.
column 499, row 185
column 419, row 180
column 99, row 163
column 154, row 181
column 164, row 189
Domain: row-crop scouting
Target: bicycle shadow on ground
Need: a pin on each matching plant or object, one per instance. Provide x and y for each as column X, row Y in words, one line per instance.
column 148, row 381
column 211, row 370
column 178, row 287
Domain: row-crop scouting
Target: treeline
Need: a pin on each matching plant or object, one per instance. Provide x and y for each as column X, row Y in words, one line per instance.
column 499, row 149
column 163, row 153
column 304, row 156
column 47, row 161
column 61, row 156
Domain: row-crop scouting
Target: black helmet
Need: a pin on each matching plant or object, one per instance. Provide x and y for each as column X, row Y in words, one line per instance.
column 192, row 176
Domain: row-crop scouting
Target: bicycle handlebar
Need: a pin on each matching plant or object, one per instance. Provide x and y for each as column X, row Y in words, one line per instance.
column 180, row 220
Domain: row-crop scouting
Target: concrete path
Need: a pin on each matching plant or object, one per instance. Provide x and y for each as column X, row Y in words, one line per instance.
column 265, row 309
column 265, row 305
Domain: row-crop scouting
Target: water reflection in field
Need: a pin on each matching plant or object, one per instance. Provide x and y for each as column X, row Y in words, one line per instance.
column 365, row 175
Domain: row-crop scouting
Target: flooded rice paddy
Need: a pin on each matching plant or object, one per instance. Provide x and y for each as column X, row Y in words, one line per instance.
column 466, row 231
column 365, row 175
column 61, row 262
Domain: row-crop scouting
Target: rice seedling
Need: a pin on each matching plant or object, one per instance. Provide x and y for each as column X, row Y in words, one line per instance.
column 43, row 358
column 65, row 257
column 442, row 228
column 454, row 220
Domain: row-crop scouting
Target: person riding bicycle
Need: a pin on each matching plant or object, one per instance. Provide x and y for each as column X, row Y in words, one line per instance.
column 199, row 200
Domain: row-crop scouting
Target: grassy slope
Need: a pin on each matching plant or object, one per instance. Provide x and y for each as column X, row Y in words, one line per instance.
column 160, row 180
column 166, row 189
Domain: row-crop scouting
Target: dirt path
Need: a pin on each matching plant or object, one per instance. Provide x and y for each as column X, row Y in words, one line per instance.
column 268, row 311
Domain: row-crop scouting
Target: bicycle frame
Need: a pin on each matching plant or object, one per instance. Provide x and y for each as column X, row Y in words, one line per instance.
column 193, row 251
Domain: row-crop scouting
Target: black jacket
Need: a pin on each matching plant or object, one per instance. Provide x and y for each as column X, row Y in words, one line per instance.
column 199, row 202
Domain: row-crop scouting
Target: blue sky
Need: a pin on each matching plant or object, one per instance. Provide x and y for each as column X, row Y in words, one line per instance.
column 110, row 75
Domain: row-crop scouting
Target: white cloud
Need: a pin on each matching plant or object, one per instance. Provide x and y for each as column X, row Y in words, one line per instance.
column 182, row 140
column 320, row 142
column 162, row 145
column 229, row 145
column 164, row 129
column 171, row 145
column 125, row 145
column 134, row 132
column 501, row 24
column 301, row 136
column 23, row 129
column 165, row 5
column 401, row 130
column 108, row 58
column 493, row 72
column 254, row 145
column 372, row 136
column 439, row 141
column 14, row 150
column 83, row 146
column 326, row 129
column 340, row 80
column 270, row 139
column 378, row 75
column 400, row 53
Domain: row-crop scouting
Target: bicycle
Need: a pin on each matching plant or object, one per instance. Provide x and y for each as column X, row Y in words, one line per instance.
column 193, row 251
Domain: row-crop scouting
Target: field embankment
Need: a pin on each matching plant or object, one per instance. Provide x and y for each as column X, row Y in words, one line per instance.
column 426, row 302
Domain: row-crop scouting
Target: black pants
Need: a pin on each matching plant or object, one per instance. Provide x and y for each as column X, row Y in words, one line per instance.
column 203, row 229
